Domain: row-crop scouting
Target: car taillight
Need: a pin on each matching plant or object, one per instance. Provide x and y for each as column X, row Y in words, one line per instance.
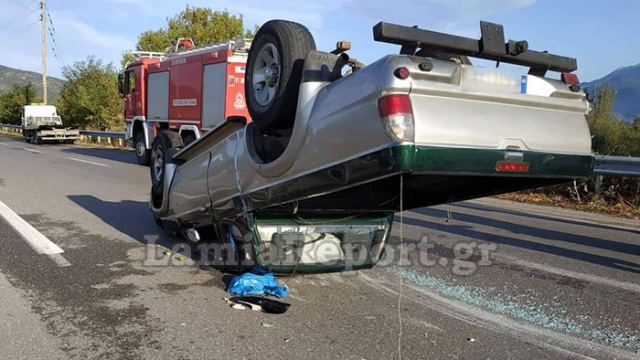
column 569, row 78
column 397, row 115
column 402, row 73
column 512, row 167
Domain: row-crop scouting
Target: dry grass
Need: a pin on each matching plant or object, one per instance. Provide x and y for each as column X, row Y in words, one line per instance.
column 619, row 209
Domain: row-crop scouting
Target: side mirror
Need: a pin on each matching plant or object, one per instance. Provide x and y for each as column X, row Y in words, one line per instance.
column 121, row 83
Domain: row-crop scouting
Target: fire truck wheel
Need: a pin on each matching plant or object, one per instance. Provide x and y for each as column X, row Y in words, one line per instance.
column 274, row 72
column 142, row 153
column 164, row 141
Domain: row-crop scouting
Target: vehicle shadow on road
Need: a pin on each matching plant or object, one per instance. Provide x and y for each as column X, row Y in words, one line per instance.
column 132, row 218
column 469, row 232
column 118, row 155
column 518, row 228
column 479, row 207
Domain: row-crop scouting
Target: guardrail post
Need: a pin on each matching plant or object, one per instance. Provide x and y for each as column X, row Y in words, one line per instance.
column 119, row 142
column 598, row 184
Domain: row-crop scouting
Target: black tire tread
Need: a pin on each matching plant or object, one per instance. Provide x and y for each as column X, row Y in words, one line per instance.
column 296, row 41
column 144, row 159
column 168, row 139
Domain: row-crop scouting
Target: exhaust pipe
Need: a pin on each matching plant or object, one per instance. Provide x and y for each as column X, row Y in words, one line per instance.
column 193, row 235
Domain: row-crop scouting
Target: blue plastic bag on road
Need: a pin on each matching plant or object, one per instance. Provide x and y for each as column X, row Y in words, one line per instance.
column 257, row 282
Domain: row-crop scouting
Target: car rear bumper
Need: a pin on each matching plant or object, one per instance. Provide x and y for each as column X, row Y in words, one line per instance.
column 473, row 170
column 483, row 162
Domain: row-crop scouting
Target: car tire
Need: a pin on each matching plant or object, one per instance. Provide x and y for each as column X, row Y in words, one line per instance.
column 274, row 72
column 142, row 153
column 165, row 141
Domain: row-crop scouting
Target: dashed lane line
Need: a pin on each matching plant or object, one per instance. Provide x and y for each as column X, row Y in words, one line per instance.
column 40, row 243
column 89, row 162
column 33, row 151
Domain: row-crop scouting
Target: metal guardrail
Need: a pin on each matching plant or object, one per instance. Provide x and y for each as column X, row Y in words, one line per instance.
column 105, row 134
column 99, row 136
column 617, row 165
column 604, row 165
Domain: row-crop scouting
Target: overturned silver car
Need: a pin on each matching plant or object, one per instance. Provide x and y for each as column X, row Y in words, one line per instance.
column 334, row 148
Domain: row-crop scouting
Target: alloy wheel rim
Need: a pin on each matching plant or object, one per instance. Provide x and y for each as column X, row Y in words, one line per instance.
column 266, row 74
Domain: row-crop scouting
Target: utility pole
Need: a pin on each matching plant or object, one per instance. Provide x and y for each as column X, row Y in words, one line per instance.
column 43, row 19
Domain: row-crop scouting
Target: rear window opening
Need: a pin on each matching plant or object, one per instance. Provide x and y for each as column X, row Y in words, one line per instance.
column 267, row 145
column 322, row 242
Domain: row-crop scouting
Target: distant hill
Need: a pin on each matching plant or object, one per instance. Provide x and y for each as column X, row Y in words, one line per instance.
column 10, row 76
column 625, row 81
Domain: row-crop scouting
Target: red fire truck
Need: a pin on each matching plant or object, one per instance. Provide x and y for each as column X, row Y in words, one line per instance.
column 186, row 90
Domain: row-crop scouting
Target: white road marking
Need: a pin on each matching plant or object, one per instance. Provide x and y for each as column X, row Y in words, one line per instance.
column 572, row 274
column 33, row 151
column 59, row 260
column 89, row 162
column 4, row 144
column 40, row 243
column 554, row 213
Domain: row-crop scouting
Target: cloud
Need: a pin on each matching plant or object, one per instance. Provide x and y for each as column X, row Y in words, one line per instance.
column 85, row 33
column 77, row 39
column 311, row 13
column 125, row 2
column 442, row 15
column 106, row 28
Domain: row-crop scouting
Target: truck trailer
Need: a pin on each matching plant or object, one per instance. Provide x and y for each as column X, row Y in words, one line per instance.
column 41, row 123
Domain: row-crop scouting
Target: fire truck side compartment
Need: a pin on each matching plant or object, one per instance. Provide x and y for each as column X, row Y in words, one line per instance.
column 213, row 95
column 158, row 100
column 185, row 86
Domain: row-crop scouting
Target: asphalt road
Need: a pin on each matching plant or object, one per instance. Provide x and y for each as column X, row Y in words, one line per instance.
column 482, row 279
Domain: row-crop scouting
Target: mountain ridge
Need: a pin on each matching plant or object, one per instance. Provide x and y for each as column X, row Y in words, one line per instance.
column 625, row 81
column 11, row 76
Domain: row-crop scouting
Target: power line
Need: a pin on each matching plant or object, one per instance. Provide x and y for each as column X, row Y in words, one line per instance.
column 19, row 17
column 22, row 28
column 20, row 4
column 52, row 32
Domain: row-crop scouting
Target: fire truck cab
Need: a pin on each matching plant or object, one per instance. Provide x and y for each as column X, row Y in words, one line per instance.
column 185, row 90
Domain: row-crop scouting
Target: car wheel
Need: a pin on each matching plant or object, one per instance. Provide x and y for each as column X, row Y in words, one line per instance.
column 165, row 141
column 142, row 153
column 274, row 72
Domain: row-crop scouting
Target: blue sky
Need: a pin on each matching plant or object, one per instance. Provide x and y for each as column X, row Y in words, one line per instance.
column 602, row 35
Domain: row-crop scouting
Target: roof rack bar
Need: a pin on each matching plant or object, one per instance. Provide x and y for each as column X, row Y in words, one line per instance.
column 491, row 46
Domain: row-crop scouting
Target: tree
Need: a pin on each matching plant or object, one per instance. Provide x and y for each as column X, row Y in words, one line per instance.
column 610, row 133
column 12, row 101
column 89, row 98
column 203, row 25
